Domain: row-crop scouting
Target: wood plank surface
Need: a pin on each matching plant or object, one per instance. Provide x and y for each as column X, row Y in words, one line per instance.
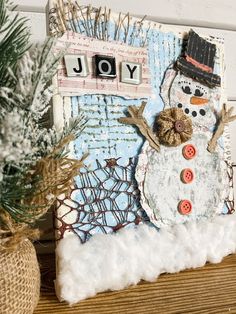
column 210, row 289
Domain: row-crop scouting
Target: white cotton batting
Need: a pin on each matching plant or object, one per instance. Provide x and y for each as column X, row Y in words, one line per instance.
column 116, row 261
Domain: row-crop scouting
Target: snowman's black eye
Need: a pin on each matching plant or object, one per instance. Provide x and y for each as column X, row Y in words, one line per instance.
column 198, row 93
column 186, row 90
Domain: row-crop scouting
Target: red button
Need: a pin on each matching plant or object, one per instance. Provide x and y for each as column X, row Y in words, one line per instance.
column 189, row 151
column 185, row 207
column 187, row 175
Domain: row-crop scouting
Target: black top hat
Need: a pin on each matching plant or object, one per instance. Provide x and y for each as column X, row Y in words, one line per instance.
column 198, row 60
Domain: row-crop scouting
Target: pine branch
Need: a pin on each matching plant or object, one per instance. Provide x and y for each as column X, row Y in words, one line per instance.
column 25, row 93
column 75, row 128
column 48, row 63
column 35, row 71
column 13, row 189
column 14, row 43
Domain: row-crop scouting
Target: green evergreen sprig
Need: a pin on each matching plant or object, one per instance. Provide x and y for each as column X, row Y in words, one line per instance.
column 25, row 92
column 14, row 43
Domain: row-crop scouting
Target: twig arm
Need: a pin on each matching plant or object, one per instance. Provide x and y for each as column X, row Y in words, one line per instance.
column 225, row 117
column 136, row 118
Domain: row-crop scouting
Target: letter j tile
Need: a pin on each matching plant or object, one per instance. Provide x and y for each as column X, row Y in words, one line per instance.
column 76, row 65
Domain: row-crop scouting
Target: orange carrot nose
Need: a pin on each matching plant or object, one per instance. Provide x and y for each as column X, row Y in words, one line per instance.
column 198, row 101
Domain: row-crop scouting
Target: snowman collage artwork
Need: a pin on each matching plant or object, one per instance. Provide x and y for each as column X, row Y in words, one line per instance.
column 157, row 125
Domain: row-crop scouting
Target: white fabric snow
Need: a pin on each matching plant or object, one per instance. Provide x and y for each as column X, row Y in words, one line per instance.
column 116, row 261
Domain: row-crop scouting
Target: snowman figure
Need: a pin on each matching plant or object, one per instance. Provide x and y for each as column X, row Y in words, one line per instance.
column 181, row 171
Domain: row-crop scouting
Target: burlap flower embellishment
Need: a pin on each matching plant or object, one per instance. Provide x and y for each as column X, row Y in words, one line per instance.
column 173, row 127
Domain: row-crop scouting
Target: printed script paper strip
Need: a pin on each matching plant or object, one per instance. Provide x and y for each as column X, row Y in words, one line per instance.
column 75, row 86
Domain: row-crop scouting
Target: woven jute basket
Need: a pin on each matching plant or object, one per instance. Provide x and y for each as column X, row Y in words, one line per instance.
column 19, row 269
column 19, row 279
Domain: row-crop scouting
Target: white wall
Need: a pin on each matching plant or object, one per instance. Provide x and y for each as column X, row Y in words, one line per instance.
column 206, row 13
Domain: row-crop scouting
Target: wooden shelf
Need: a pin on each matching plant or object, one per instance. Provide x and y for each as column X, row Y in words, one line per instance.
column 210, row 290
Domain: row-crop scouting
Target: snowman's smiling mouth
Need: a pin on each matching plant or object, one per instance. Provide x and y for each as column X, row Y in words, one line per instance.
column 194, row 113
